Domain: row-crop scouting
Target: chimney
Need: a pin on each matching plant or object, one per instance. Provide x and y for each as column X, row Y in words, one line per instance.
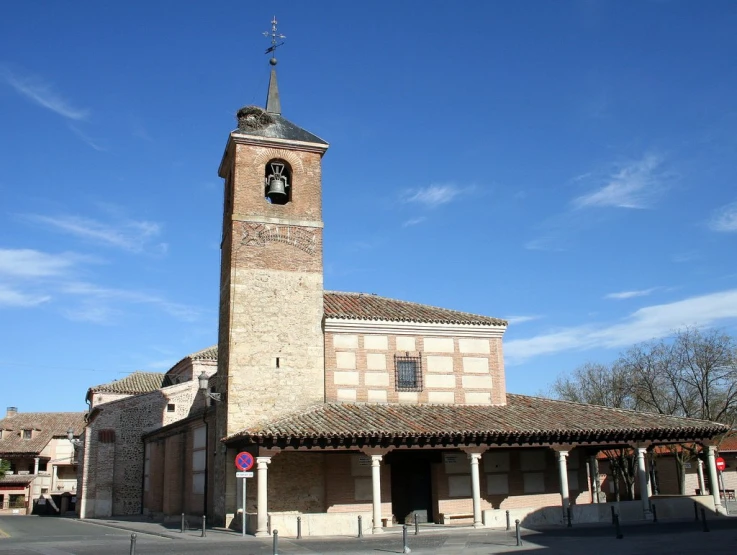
column 12, row 411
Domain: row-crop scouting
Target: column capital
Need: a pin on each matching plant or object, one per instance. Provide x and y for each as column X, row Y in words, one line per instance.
column 474, row 457
column 262, row 462
column 475, row 450
column 376, row 460
column 711, row 450
column 371, row 451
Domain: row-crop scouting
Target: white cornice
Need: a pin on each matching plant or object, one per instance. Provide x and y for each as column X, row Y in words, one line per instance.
column 242, row 139
column 387, row 327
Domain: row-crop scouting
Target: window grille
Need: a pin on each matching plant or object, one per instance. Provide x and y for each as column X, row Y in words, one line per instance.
column 408, row 372
column 106, row 436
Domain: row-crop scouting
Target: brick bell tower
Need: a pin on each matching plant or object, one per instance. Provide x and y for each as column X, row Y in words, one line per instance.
column 270, row 340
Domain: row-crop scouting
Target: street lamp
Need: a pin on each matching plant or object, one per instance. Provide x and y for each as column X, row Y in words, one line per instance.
column 204, row 380
column 72, row 439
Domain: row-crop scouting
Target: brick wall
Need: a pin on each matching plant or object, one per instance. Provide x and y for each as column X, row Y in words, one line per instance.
column 456, row 370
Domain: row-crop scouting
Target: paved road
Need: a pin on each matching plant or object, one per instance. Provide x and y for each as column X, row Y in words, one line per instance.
column 58, row 536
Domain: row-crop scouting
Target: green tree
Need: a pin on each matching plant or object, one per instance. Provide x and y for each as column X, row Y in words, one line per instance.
column 4, row 467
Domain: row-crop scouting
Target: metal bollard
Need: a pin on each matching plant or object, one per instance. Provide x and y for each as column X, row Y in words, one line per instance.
column 299, row 527
column 655, row 513
column 509, row 522
column 613, row 513
column 360, row 526
column 405, row 547
column 703, row 520
column 182, row 530
column 618, row 528
column 568, row 514
column 417, row 526
column 133, row 544
column 519, row 537
column 696, row 511
column 276, row 542
column 204, row 530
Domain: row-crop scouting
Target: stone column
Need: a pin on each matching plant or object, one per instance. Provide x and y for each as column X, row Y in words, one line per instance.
column 35, row 466
column 376, row 492
column 563, row 473
column 642, row 477
column 262, row 511
column 700, row 471
column 476, row 489
column 713, row 479
column 594, row 473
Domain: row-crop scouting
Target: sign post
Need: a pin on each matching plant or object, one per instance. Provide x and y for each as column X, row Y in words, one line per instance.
column 721, row 464
column 244, row 463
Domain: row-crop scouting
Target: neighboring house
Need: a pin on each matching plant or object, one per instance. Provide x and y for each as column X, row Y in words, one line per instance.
column 351, row 404
column 121, row 412
column 43, row 463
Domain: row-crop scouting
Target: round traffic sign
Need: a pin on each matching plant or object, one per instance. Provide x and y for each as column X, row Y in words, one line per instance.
column 721, row 464
column 244, row 461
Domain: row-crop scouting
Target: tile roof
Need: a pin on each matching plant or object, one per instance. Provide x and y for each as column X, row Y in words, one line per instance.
column 522, row 420
column 132, row 384
column 45, row 426
column 364, row 306
column 210, row 353
column 13, row 479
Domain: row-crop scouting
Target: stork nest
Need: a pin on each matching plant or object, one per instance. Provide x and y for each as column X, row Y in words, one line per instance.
column 253, row 117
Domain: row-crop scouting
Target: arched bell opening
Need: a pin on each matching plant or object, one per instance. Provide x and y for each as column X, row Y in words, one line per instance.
column 278, row 182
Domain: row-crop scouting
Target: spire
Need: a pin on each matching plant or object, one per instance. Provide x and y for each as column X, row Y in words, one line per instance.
column 273, row 104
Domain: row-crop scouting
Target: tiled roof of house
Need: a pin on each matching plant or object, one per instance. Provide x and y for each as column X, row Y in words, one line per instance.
column 44, row 426
column 522, row 420
column 210, row 353
column 15, row 479
column 132, row 384
column 364, row 306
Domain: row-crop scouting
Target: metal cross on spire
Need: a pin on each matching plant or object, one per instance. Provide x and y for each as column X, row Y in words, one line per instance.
column 275, row 35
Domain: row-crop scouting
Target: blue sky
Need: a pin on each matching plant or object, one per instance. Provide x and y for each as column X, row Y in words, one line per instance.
column 570, row 166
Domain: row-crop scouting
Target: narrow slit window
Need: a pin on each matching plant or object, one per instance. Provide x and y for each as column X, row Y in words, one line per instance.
column 277, row 362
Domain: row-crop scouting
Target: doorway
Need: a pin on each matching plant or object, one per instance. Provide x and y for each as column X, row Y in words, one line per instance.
column 411, row 484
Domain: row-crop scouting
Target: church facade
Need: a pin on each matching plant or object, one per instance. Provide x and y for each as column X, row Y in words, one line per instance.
column 354, row 404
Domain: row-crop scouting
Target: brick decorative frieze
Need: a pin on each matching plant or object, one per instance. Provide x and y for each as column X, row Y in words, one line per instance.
column 259, row 234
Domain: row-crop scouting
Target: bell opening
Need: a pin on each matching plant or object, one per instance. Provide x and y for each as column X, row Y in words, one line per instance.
column 278, row 182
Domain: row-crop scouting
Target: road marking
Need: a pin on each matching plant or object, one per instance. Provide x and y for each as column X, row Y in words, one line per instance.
column 4, row 534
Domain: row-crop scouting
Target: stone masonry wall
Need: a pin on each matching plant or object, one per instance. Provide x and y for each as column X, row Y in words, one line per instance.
column 456, row 370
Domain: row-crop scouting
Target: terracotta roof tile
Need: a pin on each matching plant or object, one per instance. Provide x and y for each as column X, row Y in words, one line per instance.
column 45, row 426
column 363, row 306
column 132, row 384
column 522, row 419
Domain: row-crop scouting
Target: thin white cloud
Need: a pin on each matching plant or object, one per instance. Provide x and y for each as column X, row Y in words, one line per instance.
column 96, row 293
column 413, row 221
column 130, row 235
column 652, row 322
column 29, row 263
column 523, row 319
column 42, row 93
column 630, row 294
column 633, row 185
column 94, row 143
column 13, row 298
column 434, row 195
column 724, row 219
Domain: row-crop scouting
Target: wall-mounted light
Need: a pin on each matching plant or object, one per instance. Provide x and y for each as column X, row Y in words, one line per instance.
column 72, row 439
column 204, row 380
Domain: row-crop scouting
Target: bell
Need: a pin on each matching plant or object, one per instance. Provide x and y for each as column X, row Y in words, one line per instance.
column 276, row 191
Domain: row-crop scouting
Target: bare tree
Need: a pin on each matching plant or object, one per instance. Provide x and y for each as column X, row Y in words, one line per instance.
column 692, row 374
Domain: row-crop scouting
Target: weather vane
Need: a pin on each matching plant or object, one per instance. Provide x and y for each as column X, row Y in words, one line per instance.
column 275, row 35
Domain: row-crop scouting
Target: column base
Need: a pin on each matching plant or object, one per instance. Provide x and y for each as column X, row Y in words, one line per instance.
column 377, row 530
column 478, row 525
column 647, row 514
column 262, row 534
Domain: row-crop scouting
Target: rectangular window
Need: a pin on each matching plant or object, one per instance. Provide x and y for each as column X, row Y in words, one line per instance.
column 171, row 407
column 106, row 436
column 408, row 372
column 27, row 434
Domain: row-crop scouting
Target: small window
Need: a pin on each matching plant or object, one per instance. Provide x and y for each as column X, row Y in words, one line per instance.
column 171, row 407
column 27, row 434
column 106, row 436
column 408, row 372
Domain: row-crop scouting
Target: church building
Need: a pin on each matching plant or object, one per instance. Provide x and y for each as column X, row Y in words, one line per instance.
column 350, row 404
